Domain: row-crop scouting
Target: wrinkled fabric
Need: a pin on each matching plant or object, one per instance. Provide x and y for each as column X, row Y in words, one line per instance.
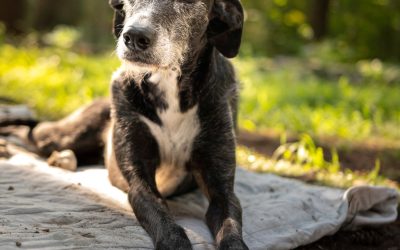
column 43, row 207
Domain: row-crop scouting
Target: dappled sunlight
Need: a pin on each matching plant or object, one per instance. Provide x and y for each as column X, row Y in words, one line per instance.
column 290, row 96
column 54, row 82
column 63, row 37
column 307, row 162
column 281, row 95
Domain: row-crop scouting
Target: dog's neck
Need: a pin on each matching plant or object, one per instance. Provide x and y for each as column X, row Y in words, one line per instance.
column 195, row 74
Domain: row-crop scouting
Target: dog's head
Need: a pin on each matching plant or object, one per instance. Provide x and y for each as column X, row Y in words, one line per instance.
column 166, row 33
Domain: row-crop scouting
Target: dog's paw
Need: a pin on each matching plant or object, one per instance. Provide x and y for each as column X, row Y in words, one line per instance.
column 65, row 159
column 176, row 239
column 232, row 244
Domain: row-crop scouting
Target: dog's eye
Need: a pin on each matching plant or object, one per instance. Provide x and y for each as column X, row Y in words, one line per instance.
column 118, row 7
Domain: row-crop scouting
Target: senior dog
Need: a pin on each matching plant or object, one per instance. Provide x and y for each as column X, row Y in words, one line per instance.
column 171, row 120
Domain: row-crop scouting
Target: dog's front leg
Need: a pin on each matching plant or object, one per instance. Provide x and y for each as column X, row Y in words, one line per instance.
column 214, row 167
column 137, row 156
column 224, row 214
column 152, row 214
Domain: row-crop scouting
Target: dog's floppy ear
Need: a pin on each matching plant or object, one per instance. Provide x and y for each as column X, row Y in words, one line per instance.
column 119, row 16
column 226, row 26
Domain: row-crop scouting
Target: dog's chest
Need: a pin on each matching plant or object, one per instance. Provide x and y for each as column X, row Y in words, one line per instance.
column 175, row 135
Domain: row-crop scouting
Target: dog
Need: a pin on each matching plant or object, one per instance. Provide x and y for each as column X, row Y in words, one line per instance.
column 170, row 124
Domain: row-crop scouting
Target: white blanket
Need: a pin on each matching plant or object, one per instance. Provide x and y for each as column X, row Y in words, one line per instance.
column 49, row 208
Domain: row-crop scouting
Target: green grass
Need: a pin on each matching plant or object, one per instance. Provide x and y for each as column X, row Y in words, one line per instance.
column 280, row 96
column 289, row 96
column 304, row 160
column 284, row 96
column 54, row 81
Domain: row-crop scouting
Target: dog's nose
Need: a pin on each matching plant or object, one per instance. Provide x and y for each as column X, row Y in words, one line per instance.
column 138, row 38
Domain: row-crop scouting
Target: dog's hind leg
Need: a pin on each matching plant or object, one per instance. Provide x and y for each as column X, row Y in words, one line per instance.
column 82, row 132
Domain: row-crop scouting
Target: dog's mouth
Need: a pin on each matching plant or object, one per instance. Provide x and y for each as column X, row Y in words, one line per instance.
column 138, row 58
column 151, row 58
column 144, row 61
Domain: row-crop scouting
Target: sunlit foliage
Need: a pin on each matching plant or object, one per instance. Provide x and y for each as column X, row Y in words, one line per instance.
column 325, row 100
column 341, row 101
column 356, row 29
column 285, row 95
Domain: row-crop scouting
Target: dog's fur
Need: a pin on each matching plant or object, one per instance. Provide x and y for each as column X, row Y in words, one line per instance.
column 173, row 113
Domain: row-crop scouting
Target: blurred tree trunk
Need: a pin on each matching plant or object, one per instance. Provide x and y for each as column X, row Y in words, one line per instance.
column 97, row 31
column 319, row 18
column 50, row 13
column 12, row 14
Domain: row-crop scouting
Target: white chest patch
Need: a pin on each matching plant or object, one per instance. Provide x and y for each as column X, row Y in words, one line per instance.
column 175, row 136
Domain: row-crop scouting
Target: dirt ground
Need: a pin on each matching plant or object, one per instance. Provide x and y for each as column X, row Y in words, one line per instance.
column 382, row 238
column 355, row 157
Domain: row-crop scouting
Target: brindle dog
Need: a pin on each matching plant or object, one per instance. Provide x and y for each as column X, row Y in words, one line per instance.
column 173, row 113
